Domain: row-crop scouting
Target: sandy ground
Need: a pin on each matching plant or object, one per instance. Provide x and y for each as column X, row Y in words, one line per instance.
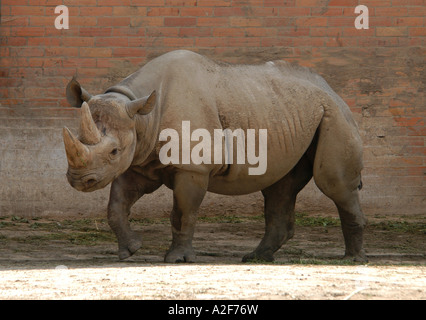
column 215, row 282
column 45, row 259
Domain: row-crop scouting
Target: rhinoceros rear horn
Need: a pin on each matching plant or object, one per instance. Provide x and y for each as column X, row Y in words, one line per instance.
column 77, row 152
column 89, row 133
column 141, row 106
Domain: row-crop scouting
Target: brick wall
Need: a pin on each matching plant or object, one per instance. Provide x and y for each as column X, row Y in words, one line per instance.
column 379, row 72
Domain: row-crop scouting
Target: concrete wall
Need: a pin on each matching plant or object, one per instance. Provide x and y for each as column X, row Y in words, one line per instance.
column 379, row 72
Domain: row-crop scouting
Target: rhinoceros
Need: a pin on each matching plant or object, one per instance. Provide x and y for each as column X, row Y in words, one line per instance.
column 310, row 133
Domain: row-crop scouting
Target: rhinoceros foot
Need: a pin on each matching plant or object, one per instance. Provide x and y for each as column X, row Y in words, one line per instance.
column 180, row 254
column 360, row 257
column 127, row 249
column 259, row 257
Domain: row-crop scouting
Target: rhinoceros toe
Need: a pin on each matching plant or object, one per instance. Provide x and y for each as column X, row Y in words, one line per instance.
column 129, row 249
column 179, row 255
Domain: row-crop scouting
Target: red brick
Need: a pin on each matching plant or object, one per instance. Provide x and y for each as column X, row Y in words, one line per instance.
column 83, row 21
column 409, row 21
column 68, row 62
column 279, row 22
column 80, row 2
column 212, row 22
column 178, row 42
column 294, row 12
column 15, row 41
column 312, row 21
column 77, row 41
column 95, row 32
column 148, row 3
column 417, row 11
column 381, row 21
column 214, row 3
column 127, row 11
column 279, row 3
column 343, row 3
column 196, row 12
column 26, row 52
column 245, row 22
column 417, row 131
column 146, row 22
column 230, row 11
column 391, row 31
column 308, row 3
column 114, row 21
column 211, row 42
column 277, row 42
column 410, row 122
column 294, row 31
column 165, row 11
column 14, row 21
column 179, row 22
column 28, row 31
column 95, row 52
column 378, row 3
column 14, row 2
column 244, row 42
column 111, row 42
column 228, row 32
column 99, row 11
column 417, row 32
column 165, row 31
column 308, row 42
column 390, row 12
column 264, row 12
column 129, row 52
column 27, row 11
column 117, row 2
column 260, row 32
column 195, row 32
column 342, row 21
column 180, row 3
column 61, row 51
column 328, row 11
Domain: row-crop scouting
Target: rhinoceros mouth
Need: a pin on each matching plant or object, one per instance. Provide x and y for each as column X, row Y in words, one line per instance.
column 86, row 183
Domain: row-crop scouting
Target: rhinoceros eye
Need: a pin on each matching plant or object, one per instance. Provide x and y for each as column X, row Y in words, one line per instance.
column 114, row 152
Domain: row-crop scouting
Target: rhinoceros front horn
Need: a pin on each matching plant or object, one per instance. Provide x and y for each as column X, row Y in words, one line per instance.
column 89, row 133
column 77, row 152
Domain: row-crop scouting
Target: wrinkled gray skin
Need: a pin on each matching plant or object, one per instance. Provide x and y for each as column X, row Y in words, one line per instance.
column 311, row 133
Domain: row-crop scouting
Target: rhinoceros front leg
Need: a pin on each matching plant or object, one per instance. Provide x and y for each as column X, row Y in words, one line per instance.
column 125, row 191
column 188, row 193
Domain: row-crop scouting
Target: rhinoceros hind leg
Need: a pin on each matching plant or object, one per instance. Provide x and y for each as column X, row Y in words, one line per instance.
column 280, row 199
column 353, row 224
column 337, row 173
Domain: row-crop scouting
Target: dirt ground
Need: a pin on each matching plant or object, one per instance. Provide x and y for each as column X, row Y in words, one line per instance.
column 76, row 259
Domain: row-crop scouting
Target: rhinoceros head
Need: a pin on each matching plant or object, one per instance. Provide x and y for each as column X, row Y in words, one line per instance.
column 106, row 142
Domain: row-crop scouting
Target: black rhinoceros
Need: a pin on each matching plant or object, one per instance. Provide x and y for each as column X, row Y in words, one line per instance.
column 310, row 132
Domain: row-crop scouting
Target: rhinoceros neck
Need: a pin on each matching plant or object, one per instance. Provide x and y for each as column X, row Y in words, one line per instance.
column 146, row 126
column 147, row 130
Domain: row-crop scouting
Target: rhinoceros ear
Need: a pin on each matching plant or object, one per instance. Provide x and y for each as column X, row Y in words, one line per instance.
column 141, row 106
column 76, row 94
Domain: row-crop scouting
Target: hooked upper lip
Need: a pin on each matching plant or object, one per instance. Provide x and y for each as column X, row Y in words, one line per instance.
column 85, row 183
